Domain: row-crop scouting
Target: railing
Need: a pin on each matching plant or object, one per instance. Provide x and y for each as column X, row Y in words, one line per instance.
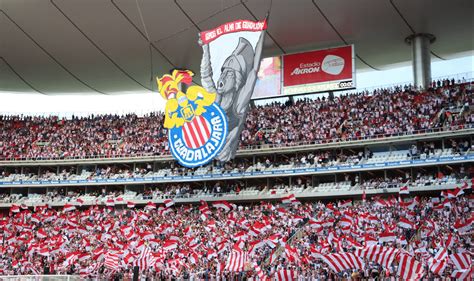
column 255, row 148
column 297, row 170
column 233, row 197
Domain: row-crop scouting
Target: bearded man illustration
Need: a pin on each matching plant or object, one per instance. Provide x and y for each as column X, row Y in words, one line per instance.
column 234, row 88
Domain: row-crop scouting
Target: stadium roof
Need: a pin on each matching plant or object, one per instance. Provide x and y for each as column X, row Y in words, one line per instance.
column 90, row 46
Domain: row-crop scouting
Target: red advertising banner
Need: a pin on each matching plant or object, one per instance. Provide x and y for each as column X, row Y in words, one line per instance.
column 315, row 69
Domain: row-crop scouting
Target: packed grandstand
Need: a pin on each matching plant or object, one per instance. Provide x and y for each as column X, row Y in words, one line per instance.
column 396, row 204
column 242, row 140
column 366, row 115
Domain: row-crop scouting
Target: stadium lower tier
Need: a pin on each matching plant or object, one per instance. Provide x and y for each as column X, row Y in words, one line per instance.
column 421, row 179
column 307, row 164
column 408, row 238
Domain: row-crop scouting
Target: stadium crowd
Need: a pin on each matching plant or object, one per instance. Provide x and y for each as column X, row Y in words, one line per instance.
column 223, row 241
column 381, row 113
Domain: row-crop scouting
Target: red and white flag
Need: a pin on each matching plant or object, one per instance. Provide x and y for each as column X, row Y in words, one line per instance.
column 409, row 268
column 286, row 275
column 226, row 206
column 144, row 259
column 404, row 190
column 68, row 207
column 343, row 261
column 463, row 227
column 211, row 253
column 369, row 240
column 169, row 202
column 130, row 204
column 236, row 261
column 112, row 261
column 41, row 233
column 387, row 236
column 463, row 274
column 261, row 275
column 462, row 261
column 452, row 193
column 110, row 202
column 150, row 206
column 193, row 258
column 80, row 201
column 465, row 186
column 405, row 223
column 170, row 245
column 439, row 262
column 70, row 259
column 378, row 254
column 345, row 203
column 290, row 199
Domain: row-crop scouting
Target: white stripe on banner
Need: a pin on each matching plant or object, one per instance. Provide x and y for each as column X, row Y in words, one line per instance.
column 193, row 129
column 199, row 137
column 190, row 137
column 202, row 126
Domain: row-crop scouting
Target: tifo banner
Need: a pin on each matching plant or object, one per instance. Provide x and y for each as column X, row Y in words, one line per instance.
column 318, row 71
column 197, row 126
column 230, row 61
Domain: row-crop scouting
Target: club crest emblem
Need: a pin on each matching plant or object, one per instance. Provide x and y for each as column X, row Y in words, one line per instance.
column 197, row 126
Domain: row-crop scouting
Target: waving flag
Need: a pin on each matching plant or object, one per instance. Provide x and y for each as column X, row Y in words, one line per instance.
column 226, row 206
column 378, row 254
column 343, row 261
column 170, row 245
column 169, row 202
column 345, row 203
column 150, row 206
column 405, row 223
column 463, row 274
column 387, row 236
column 404, row 190
column 261, row 275
column 463, row 227
column 110, row 202
column 409, row 268
column 112, row 261
column 290, row 199
column 286, row 275
column 236, row 261
column 439, row 262
column 462, row 261
column 68, row 207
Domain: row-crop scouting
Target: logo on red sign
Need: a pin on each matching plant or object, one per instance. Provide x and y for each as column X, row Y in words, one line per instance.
column 318, row 66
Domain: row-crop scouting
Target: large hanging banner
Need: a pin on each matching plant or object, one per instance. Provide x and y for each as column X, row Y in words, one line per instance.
column 230, row 61
column 206, row 122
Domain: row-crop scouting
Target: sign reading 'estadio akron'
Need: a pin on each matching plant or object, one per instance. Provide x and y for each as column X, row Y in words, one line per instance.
column 317, row 71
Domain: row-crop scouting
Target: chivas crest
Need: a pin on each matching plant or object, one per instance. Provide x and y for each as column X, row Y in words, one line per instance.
column 197, row 126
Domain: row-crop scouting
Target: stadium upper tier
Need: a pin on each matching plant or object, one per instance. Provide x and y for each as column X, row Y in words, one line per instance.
column 375, row 115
